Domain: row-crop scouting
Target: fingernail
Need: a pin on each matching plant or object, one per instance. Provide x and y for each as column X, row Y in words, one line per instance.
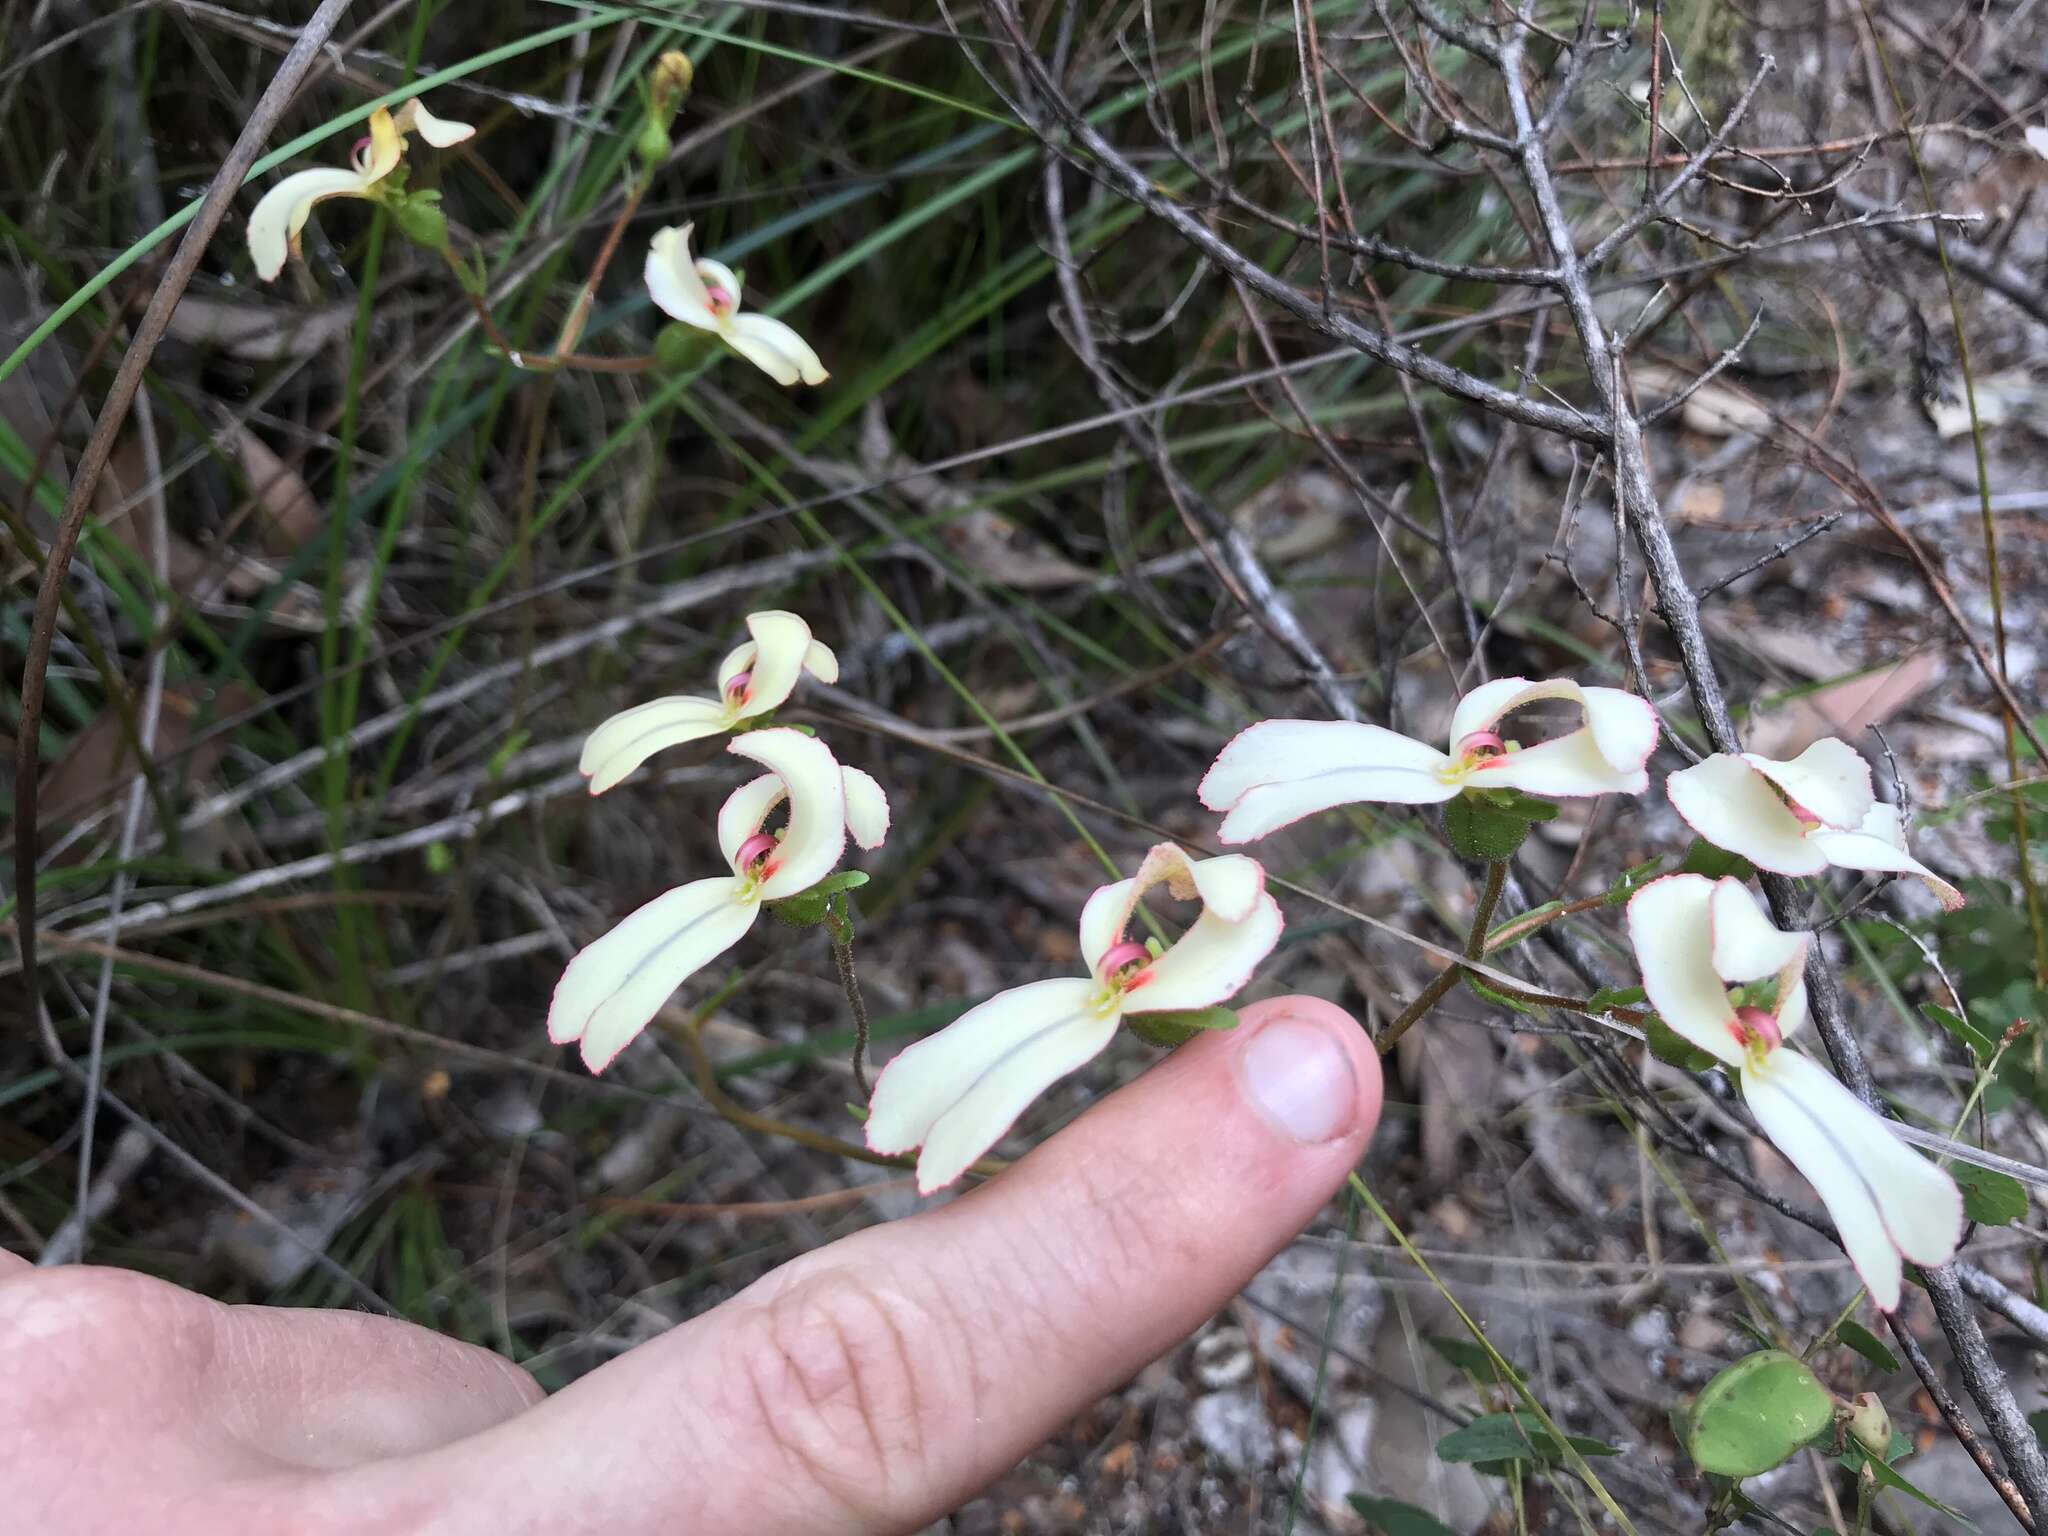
column 1299, row 1077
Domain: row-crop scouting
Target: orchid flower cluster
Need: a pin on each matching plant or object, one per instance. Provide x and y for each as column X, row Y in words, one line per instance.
column 1716, row 970
column 698, row 293
column 613, row 988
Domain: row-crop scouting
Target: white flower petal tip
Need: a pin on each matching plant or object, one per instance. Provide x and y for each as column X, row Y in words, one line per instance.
column 815, row 837
column 1799, row 817
column 441, row 132
column 1695, row 939
column 956, row 1092
column 867, row 809
column 1279, row 771
column 1888, row 1202
column 614, row 987
column 705, row 294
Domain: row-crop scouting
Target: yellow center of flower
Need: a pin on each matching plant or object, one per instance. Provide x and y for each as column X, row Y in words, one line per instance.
column 1472, row 753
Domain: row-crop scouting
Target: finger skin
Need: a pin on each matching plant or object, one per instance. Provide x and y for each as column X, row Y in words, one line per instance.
column 874, row 1384
column 129, row 1404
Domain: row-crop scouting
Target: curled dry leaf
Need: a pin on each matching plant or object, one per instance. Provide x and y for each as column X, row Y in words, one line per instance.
column 287, row 515
column 95, row 764
column 258, row 333
column 1715, row 409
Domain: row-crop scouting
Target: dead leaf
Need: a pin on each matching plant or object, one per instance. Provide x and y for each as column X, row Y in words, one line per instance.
column 1847, row 709
column 258, row 333
column 1715, row 409
column 95, row 764
column 288, row 517
column 1297, row 517
column 2006, row 395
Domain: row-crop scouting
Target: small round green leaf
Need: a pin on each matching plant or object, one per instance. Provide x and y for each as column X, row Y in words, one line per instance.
column 1755, row 1414
column 1482, row 829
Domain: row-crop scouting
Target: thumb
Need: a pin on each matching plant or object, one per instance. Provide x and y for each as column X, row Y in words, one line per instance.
column 876, row 1383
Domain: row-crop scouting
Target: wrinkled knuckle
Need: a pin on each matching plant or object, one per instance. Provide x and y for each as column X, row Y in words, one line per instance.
column 849, row 1386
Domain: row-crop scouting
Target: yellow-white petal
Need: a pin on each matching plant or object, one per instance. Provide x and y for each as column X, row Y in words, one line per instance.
column 816, row 834
column 1624, row 727
column 745, row 809
column 1670, row 925
column 773, row 661
column 1483, row 707
column 1732, row 806
column 614, row 987
column 1104, row 917
column 1830, row 779
column 1747, row 946
column 1886, row 1200
column 867, row 808
column 716, row 274
column 775, row 349
column 441, row 132
column 1295, row 751
column 1566, row 767
column 672, row 280
column 819, row 661
column 1230, row 885
column 282, row 212
column 1233, row 881
column 629, row 738
column 1880, row 844
column 956, row 1092
column 1209, row 964
column 1262, row 811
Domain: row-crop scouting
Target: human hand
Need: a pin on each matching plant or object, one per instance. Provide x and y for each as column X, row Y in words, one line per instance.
column 868, row 1386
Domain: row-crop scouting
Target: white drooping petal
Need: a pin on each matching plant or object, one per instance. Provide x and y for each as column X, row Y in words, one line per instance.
column 1567, row 767
column 775, row 349
column 1886, row 1200
column 441, row 132
column 745, row 809
column 1670, row 925
column 1209, row 964
column 821, row 662
column 614, row 987
column 1733, row 806
column 1746, row 945
column 672, row 280
column 1262, row 811
column 956, row 1092
column 816, row 835
column 1230, row 885
column 1290, row 751
column 282, row 212
column 867, row 808
column 1830, row 779
column 629, row 738
column 1880, row 844
column 1624, row 727
column 782, row 642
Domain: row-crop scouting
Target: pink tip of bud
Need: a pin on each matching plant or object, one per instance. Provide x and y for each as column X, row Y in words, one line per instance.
column 754, row 852
column 737, row 687
column 1482, row 744
column 1753, row 1024
column 1119, row 958
column 359, row 152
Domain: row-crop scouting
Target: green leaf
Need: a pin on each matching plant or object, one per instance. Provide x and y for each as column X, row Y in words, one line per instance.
column 1390, row 1517
column 1756, row 1413
column 1495, row 1440
column 1497, row 998
column 1468, row 1357
column 1169, row 1027
column 858, row 1111
column 1631, row 881
column 806, row 909
column 845, row 880
column 1855, row 1458
column 1867, row 1344
column 1990, row 1197
column 1980, row 1043
column 1482, row 829
column 1703, row 858
column 1672, row 1048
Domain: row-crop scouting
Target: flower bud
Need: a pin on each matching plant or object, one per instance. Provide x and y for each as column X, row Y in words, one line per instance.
column 676, row 347
column 1868, row 1424
column 669, row 83
column 651, row 148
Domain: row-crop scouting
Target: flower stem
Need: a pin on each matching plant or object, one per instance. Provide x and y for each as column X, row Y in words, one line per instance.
column 1450, row 976
column 839, row 924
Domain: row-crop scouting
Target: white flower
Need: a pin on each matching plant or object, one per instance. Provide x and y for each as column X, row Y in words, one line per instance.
column 757, row 676
column 615, row 986
column 280, row 215
column 955, row 1093
column 1798, row 818
column 1695, row 940
column 1279, row 771
column 705, row 294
